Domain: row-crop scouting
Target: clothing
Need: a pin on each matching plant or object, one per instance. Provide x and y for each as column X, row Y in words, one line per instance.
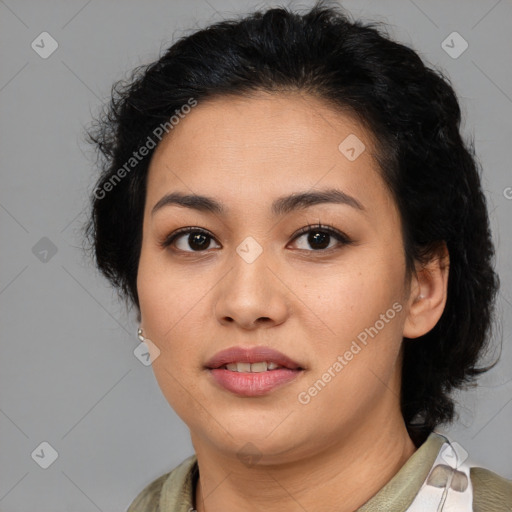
column 437, row 477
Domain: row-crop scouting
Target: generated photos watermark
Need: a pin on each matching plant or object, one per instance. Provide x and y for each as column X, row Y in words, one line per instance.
column 144, row 150
column 304, row 397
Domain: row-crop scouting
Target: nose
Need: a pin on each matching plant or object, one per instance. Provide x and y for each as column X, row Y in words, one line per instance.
column 252, row 294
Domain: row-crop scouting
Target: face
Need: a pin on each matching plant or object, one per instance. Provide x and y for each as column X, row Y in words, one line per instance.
column 330, row 298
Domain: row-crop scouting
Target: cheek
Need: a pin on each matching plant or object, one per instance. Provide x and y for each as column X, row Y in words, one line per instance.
column 167, row 312
column 361, row 306
column 174, row 312
column 165, row 295
column 348, row 299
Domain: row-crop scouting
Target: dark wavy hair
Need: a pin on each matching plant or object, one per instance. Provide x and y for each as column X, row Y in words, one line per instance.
column 410, row 109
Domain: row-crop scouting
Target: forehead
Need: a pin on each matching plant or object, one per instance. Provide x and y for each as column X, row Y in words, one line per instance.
column 246, row 149
column 289, row 124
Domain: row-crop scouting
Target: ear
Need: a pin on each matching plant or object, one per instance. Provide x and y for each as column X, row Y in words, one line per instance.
column 429, row 290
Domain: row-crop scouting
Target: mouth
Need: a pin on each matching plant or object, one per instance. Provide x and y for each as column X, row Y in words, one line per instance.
column 251, row 359
column 258, row 367
column 254, row 371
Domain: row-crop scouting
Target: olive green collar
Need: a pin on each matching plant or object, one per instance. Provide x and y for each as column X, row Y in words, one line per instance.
column 400, row 491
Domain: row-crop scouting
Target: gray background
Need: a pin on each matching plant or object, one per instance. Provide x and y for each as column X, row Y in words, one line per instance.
column 68, row 375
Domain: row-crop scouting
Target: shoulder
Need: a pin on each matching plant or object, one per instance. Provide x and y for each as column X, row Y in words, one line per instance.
column 491, row 492
column 149, row 499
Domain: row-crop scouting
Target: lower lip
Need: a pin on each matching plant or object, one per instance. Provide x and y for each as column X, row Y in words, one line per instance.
column 253, row 384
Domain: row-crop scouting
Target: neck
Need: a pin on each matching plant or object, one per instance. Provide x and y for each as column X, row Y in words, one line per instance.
column 330, row 480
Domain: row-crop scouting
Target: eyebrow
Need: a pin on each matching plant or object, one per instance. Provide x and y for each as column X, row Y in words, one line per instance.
column 281, row 206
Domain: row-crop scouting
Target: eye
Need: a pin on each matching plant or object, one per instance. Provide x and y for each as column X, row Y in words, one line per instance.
column 320, row 237
column 198, row 239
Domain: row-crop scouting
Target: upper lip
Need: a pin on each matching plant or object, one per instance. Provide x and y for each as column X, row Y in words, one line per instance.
column 251, row 355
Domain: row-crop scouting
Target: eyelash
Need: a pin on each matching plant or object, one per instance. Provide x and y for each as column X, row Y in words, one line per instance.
column 324, row 228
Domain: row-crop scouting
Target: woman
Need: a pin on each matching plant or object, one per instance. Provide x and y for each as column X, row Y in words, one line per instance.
column 288, row 203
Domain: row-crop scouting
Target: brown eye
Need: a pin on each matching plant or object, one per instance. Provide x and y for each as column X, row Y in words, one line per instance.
column 319, row 237
column 197, row 240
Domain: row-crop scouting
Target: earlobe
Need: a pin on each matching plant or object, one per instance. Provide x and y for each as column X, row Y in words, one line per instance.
column 427, row 302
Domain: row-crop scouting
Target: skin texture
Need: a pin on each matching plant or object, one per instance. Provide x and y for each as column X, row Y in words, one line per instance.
column 308, row 303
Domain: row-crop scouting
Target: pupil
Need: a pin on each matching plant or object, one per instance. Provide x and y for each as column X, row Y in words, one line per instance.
column 317, row 237
column 199, row 239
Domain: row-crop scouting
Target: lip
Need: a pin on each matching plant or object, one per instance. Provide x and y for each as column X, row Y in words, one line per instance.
column 252, row 384
column 251, row 355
